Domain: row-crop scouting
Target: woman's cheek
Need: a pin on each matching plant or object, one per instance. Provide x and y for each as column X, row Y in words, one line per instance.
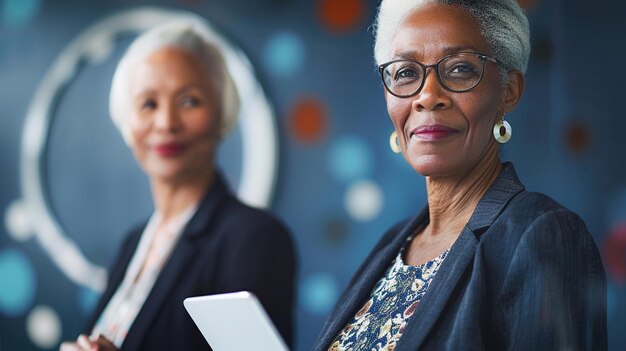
column 138, row 128
column 398, row 113
column 398, row 108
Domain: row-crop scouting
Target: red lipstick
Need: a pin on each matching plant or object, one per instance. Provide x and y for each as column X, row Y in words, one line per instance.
column 432, row 132
column 169, row 149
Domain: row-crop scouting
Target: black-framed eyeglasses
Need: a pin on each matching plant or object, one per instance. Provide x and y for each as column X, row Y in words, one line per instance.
column 458, row 72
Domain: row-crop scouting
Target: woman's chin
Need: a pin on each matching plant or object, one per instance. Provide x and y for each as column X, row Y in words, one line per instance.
column 166, row 174
column 432, row 165
column 178, row 173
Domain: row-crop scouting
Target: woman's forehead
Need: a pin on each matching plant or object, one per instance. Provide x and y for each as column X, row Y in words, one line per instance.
column 434, row 30
column 169, row 67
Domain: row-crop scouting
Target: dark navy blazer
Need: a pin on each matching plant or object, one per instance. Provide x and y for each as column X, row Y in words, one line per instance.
column 524, row 274
column 226, row 246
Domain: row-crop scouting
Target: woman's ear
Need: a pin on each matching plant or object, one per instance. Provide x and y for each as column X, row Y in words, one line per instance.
column 513, row 90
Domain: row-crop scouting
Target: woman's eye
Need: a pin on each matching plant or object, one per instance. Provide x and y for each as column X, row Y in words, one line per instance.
column 407, row 73
column 463, row 68
column 189, row 101
column 148, row 105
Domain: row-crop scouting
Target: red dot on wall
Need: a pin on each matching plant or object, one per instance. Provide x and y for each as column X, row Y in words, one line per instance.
column 341, row 16
column 578, row 137
column 614, row 253
column 308, row 120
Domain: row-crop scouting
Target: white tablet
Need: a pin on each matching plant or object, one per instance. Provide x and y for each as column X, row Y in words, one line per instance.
column 234, row 322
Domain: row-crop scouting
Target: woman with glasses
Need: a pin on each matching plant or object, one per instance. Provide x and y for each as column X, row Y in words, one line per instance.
column 173, row 100
column 487, row 264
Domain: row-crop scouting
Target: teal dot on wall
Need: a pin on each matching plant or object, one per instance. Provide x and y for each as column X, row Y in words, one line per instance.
column 19, row 283
column 16, row 13
column 319, row 293
column 284, row 54
column 87, row 300
column 350, row 159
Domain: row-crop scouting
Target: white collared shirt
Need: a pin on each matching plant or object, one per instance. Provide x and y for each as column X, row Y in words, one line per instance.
column 155, row 246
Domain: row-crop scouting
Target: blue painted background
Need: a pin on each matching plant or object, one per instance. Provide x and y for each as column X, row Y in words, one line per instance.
column 568, row 143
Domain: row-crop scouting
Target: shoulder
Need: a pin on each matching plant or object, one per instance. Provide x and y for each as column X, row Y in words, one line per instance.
column 535, row 201
column 241, row 223
column 530, row 210
column 538, row 240
column 236, row 213
column 535, row 223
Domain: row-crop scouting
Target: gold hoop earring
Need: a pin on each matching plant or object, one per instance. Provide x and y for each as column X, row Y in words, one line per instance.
column 394, row 144
column 502, row 131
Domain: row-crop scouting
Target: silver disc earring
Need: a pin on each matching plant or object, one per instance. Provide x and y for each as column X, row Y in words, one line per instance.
column 502, row 131
column 394, row 144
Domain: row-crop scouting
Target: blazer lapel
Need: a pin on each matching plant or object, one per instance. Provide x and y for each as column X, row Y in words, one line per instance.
column 356, row 295
column 435, row 299
column 461, row 255
column 181, row 257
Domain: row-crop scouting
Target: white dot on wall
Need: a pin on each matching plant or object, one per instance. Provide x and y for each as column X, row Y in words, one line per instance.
column 364, row 200
column 16, row 221
column 43, row 326
column 318, row 293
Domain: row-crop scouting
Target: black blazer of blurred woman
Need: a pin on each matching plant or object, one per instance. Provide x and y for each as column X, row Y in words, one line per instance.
column 226, row 247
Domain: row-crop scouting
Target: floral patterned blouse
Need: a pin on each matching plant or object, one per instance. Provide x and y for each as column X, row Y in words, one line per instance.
column 380, row 323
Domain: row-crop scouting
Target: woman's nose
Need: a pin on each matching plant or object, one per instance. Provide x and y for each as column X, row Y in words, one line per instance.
column 167, row 118
column 432, row 96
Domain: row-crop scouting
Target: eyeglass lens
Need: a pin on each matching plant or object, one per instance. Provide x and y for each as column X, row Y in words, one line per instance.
column 460, row 72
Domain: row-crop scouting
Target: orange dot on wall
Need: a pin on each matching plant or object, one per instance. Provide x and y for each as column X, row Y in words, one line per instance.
column 308, row 120
column 578, row 137
column 341, row 15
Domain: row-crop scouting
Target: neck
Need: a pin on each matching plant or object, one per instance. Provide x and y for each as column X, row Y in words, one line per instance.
column 452, row 200
column 172, row 198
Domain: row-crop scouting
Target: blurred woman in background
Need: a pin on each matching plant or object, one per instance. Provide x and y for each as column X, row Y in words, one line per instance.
column 486, row 265
column 173, row 100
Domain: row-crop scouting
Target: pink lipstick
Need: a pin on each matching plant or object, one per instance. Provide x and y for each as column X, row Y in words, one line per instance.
column 169, row 149
column 432, row 132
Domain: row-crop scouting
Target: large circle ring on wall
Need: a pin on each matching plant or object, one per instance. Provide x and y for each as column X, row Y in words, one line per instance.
column 32, row 216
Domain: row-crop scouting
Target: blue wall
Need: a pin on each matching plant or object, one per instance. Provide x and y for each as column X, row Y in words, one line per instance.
column 567, row 143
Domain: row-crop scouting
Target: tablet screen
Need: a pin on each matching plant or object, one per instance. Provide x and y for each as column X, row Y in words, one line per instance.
column 234, row 322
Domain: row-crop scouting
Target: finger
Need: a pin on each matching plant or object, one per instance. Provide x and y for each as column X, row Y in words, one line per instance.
column 68, row 346
column 84, row 342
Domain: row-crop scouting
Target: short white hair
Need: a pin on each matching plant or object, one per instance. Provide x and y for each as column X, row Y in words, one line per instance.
column 190, row 35
column 503, row 24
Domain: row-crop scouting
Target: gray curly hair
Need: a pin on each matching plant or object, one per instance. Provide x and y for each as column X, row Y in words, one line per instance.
column 504, row 26
column 191, row 35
